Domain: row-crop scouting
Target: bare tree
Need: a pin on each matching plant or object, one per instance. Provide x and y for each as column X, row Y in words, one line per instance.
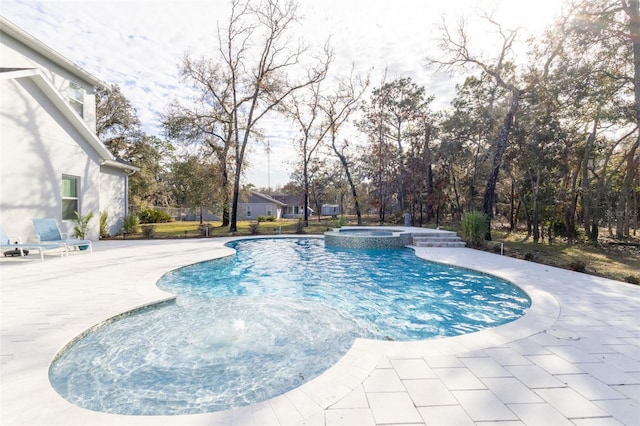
column 306, row 115
column 206, row 119
column 337, row 108
column 255, row 67
column 502, row 70
column 264, row 68
column 632, row 10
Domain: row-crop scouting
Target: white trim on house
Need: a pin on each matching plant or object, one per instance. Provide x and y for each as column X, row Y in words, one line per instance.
column 70, row 114
column 36, row 45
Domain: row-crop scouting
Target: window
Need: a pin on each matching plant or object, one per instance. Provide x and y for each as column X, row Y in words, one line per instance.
column 70, row 185
column 76, row 97
column 248, row 211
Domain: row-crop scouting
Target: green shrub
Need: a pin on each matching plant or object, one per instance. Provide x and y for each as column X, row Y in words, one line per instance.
column 266, row 219
column 148, row 231
column 632, row 279
column 474, row 228
column 131, row 224
column 81, row 224
column 104, row 231
column 529, row 256
column 254, row 228
column 397, row 218
column 153, row 216
column 578, row 266
column 339, row 222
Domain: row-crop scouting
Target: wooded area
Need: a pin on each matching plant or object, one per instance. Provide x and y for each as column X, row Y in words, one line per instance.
column 542, row 133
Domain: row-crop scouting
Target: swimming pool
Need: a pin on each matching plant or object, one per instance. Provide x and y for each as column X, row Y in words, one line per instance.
column 249, row 327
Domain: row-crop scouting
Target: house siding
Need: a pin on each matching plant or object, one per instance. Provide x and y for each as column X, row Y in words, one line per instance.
column 258, row 209
column 38, row 146
column 42, row 139
column 12, row 52
column 112, row 185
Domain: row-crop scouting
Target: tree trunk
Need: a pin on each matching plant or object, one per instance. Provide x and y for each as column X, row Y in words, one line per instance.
column 512, row 207
column 587, row 214
column 633, row 11
column 233, row 227
column 345, row 165
column 534, row 215
column 305, row 172
column 571, row 212
column 503, row 140
column 455, row 193
column 623, row 212
column 225, row 197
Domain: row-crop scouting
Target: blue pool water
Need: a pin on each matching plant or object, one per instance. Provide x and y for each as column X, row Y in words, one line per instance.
column 252, row 326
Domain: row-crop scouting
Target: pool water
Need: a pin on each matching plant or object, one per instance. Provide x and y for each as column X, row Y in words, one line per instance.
column 250, row 327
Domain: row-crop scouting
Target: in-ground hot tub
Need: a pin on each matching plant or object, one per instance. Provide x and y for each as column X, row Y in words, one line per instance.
column 367, row 237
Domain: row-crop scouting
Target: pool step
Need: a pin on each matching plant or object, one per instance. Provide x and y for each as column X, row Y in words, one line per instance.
column 438, row 239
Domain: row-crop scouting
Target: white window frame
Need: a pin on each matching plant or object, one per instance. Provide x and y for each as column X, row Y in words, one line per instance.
column 76, row 97
column 67, row 215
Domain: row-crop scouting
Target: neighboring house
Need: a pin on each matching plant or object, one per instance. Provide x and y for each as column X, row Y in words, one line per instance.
column 332, row 210
column 294, row 206
column 51, row 161
column 255, row 204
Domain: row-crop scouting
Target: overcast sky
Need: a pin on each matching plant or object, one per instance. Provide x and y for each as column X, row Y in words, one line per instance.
column 137, row 45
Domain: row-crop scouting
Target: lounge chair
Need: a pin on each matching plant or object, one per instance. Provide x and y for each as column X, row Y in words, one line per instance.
column 47, row 231
column 23, row 248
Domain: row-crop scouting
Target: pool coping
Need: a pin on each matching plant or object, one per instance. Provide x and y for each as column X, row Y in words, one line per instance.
column 47, row 305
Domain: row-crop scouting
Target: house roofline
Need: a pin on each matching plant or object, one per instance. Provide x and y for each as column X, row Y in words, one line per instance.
column 268, row 198
column 118, row 163
column 30, row 41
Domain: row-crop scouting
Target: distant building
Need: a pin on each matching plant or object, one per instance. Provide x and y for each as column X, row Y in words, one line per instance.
column 255, row 204
column 51, row 161
column 330, row 210
column 294, row 206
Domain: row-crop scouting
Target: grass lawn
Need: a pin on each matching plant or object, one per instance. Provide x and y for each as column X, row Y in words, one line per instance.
column 192, row 229
column 609, row 259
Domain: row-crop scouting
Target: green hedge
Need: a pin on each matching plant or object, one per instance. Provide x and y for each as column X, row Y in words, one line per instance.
column 153, row 216
column 474, row 228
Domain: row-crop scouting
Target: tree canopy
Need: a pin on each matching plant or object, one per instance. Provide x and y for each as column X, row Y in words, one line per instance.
column 541, row 133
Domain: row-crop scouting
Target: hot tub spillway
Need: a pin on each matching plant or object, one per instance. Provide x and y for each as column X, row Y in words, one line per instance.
column 367, row 238
column 392, row 237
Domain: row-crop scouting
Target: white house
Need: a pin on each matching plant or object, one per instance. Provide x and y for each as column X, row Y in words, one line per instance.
column 294, row 206
column 51, row 162
column 256, row 204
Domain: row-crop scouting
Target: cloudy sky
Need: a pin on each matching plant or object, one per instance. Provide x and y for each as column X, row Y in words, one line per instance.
column 137, row 45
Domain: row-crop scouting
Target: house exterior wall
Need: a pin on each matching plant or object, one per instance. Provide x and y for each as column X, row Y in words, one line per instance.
column 251, row 210
column 42, row 138
column 112, row 185
column 15, row 55
column 37, row 146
